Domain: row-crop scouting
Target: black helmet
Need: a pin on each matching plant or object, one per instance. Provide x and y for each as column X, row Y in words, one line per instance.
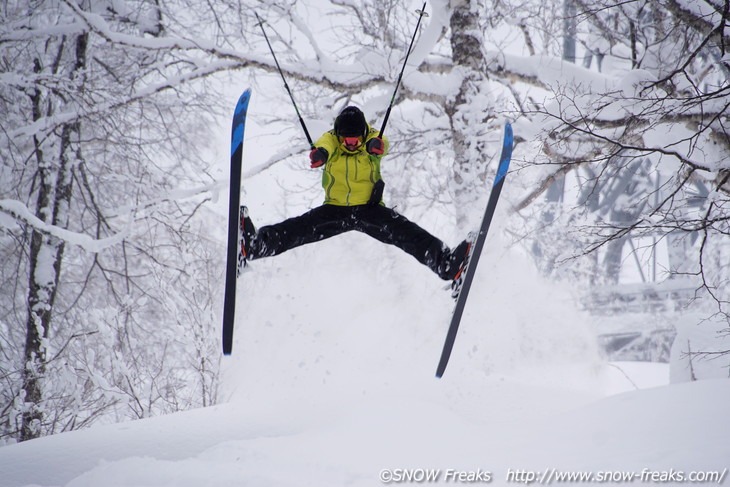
column 351, row 123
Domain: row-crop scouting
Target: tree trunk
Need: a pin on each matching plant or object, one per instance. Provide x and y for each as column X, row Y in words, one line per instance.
column 46, row 252
column 470, row 110
column 570, row 22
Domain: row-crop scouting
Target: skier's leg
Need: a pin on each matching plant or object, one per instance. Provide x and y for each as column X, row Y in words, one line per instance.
column 317, row 224
column 388, row 226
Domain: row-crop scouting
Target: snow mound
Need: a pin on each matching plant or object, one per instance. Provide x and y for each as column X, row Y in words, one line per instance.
column 680, row 427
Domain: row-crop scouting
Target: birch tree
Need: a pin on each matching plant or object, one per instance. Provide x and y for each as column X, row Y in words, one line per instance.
column 100, row 134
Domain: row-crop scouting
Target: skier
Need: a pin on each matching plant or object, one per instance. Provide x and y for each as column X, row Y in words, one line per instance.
column 350, row 156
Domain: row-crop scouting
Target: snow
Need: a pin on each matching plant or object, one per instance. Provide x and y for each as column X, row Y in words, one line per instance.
column 331, row 383
column 266, row 443
column 693, row 335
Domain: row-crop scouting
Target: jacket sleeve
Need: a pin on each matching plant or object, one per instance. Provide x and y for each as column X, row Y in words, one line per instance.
column 328, row 141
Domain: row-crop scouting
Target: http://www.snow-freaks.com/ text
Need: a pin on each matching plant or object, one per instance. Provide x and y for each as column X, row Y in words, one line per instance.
column 550, row 476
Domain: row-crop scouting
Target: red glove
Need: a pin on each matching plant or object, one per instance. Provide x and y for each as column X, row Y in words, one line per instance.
column 375, row 146
column 318, row 157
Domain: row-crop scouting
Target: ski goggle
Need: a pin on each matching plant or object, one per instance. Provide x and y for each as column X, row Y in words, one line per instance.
column 351, row 141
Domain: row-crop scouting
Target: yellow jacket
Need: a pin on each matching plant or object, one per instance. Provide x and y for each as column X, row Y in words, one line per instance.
column 349, row 176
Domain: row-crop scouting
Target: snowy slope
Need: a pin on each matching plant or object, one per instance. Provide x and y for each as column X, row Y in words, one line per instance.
column 331, row 382
column 677, row 427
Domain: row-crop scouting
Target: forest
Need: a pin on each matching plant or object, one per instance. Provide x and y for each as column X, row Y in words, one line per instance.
column 115, row 124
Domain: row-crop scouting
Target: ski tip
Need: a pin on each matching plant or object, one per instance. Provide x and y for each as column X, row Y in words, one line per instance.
column 239, row 121
column 239, row 114
column 245, row 96
column 508, row 135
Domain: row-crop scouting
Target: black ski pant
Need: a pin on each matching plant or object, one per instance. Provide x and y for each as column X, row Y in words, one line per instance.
column 381, row 223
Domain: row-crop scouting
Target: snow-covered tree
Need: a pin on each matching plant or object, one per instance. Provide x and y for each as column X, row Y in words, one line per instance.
column 100, row 133
column 641, row 127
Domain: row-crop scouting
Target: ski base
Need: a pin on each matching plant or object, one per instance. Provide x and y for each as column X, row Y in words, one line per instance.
column 462, row 292
column 235, row 218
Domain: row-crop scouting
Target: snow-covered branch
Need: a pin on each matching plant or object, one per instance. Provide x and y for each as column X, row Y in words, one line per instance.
column 21, row 213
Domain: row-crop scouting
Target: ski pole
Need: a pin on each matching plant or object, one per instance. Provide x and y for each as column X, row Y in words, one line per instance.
column 422, row 12
column 301, row 120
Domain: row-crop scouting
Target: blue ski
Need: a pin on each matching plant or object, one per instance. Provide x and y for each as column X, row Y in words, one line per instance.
column 476, row 249
column 234, row 257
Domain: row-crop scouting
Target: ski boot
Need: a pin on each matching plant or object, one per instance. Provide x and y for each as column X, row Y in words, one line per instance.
column 246, row 234
column 460, row 261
